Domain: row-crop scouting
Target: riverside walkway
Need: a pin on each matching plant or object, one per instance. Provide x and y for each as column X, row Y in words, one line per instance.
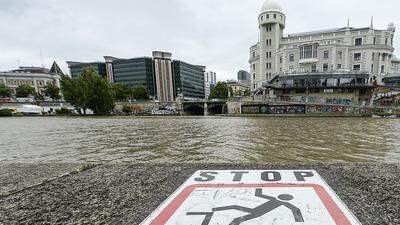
column 126, row 193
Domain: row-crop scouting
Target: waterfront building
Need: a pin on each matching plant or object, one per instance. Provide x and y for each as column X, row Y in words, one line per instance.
column 237, row 89
column 36, row 77
column 164, row 77
column 210, row 80
column 244, row 78
column 364, row 50
column 189, row 80
column 133, row 72
column 76, row 68
column 347, row 88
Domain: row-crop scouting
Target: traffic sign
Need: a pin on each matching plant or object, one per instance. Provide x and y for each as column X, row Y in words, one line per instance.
column 250, row 197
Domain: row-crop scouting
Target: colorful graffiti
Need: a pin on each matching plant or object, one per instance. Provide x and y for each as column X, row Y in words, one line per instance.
column 151, row 109
column 275, row 109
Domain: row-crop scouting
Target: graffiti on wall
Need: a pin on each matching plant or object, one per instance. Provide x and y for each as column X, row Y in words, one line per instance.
column 146, row 109
column 273, row 109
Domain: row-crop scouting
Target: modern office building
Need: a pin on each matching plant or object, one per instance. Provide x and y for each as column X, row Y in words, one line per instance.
column 210, row 80
column 244, row 78
column 133, row 72
column 164, row 77
column 365, row 50
column 37, row 77
column 76, row 68
column 189, row 80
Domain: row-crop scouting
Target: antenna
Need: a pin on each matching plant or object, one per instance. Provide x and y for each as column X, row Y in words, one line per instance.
column 371, row 26
column 348, row 22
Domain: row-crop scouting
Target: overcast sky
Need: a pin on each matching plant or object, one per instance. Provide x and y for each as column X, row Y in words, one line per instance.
column 214, row 33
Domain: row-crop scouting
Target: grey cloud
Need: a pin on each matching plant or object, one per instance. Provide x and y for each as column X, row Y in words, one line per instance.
column 214, row 33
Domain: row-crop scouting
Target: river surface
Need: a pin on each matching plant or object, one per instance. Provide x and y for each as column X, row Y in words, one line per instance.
column 199, row 139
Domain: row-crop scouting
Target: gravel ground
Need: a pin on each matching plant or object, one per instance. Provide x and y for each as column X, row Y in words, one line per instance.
column 127, row 193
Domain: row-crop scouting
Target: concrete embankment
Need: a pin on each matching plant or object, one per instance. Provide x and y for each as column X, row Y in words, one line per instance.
column 126, row 193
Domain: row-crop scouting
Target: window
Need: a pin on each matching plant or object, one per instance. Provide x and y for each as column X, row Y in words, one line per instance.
column 384, row 56
column 358, row 42
column 254, row 66
column 261, row 18
column 339, row 66
column 280, row 59
column 290, row 69
column 254, row 54
column 340, row 54
column 326, row 54
column 373, row 56
column 356, row 67
column 274, row 16
column 374, row 41
column 382, row 69
column 267, row 16
column 314, row 68
column 308, row 51
column 291, row 57
column 386, row 41
column 372, row 68
column 254, row 76
column 325, row 67
column 357, row 56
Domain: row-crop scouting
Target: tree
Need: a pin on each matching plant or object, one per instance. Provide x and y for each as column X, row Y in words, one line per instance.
column 140, row 93
column 24, row 91
column 73, row 91
column 39, row 96
column 121, row 92
column 220, row 91
column 88, row 91
column 99, row 96
column 5, row 91
column 52, row 91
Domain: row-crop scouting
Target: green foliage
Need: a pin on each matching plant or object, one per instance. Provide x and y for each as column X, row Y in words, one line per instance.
column 5, row 91
column 24, row 91
column 63, row 111
column 5, row 112
column 220, row 91
column 127, row 109
column 39, row 96
column 52, row 91
column 121, row 92
column 140, row 93
column 88, row 91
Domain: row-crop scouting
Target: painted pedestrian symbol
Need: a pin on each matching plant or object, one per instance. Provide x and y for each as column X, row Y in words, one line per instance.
column 272, row 204
column 250, row 197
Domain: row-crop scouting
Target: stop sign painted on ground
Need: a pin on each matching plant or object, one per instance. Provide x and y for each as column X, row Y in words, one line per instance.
column 253, row 197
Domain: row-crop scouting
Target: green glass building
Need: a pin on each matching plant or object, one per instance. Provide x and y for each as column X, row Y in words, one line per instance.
column 189, row 80
column 76, row 68
column 134, row 73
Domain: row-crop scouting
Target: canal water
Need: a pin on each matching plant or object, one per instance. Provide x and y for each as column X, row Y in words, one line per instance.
column 199, row 139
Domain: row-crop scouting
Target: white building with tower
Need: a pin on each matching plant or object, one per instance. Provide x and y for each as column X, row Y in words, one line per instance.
column 345, row 49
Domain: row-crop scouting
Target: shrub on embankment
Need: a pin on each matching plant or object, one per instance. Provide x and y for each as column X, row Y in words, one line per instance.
column 5, row 112
column 63, row 111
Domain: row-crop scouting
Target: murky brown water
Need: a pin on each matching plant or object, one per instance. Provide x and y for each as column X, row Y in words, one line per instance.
column 216, row 139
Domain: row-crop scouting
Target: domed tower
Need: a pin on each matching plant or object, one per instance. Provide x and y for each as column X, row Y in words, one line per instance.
column 271, row 24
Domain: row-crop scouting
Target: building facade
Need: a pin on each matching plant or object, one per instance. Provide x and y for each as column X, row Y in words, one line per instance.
column 164, row 77
column 365, row 50
column 210, row 80
column 244, row 78
column 133, row 72
column 36, row 77
column 77, row 68
column 189, row 80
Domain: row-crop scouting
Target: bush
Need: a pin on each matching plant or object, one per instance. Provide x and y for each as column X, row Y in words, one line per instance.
column 5, row 112
column 63, row 111
column 127, row 109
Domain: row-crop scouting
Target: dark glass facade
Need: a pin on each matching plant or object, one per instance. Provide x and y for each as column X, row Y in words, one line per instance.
column 135, row 72
column 189, row 79
column 76, row 69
